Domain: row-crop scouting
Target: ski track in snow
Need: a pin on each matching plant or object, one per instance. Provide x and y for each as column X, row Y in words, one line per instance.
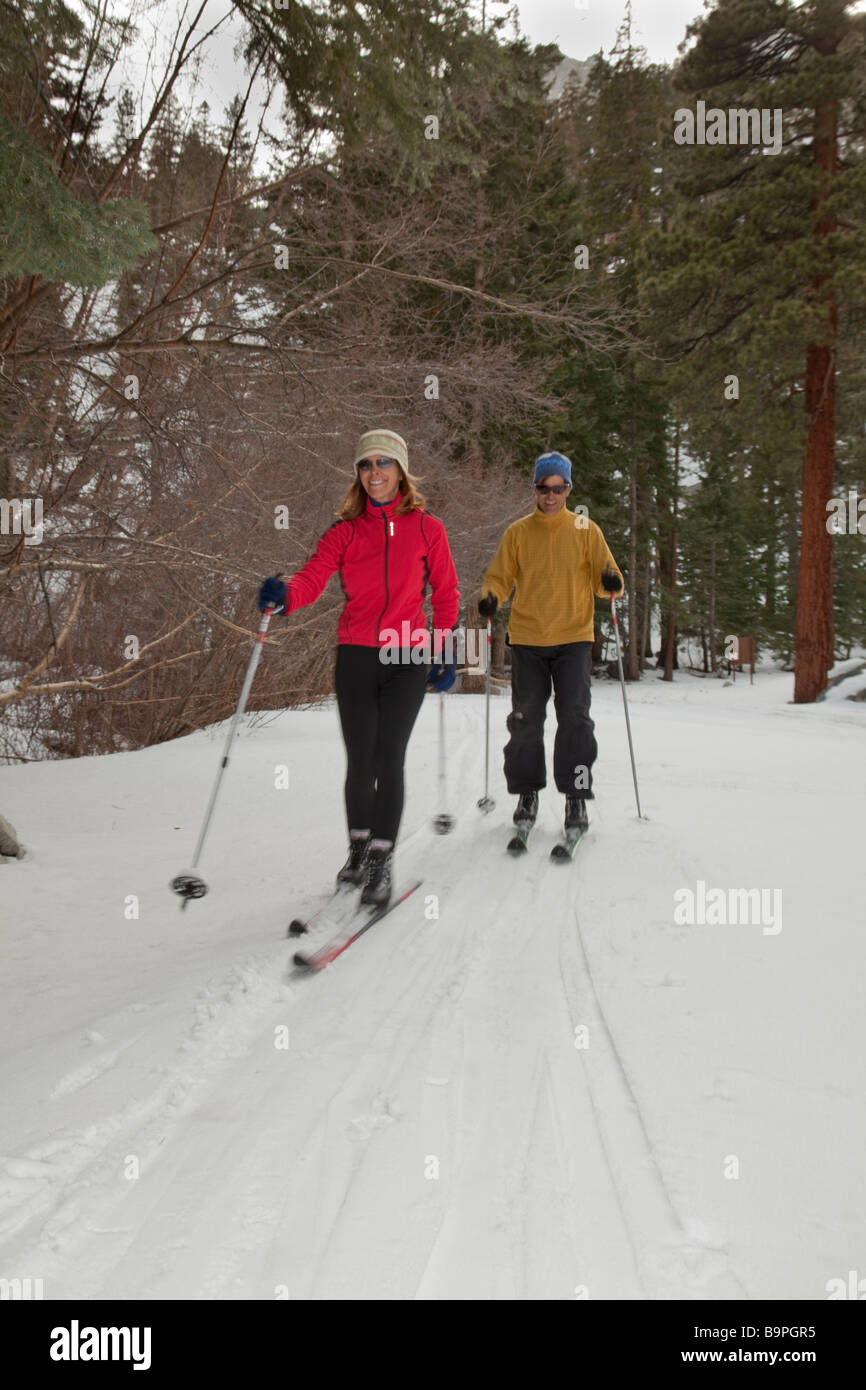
column 431, row 1132
column 483, row 1156
column 669, row 1260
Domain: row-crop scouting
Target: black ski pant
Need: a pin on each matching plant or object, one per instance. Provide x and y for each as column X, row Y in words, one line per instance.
column 534, row 670
column 378, row 703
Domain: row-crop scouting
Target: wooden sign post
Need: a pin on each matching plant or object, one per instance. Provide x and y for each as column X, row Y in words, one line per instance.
column 742, row 653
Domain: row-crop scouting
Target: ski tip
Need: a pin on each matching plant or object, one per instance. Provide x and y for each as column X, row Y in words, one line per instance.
column 563, row 853
column 326, row 954
column 296, row 927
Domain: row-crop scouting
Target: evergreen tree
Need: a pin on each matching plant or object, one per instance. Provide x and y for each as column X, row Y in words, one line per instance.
column 46, row 230
column 620, row 411
column 760, row 276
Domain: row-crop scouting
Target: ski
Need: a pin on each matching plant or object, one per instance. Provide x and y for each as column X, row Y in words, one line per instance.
column 362, row 921
column 341, row 896
column 564, row 851
column 520, row 839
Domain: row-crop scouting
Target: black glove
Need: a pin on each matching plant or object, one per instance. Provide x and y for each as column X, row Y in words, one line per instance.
column 273, row 594
column 488, row 605
column 611, row 581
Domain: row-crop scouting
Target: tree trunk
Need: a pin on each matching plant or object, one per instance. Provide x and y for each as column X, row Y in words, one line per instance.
column 632, row 665
column 645, row 649
column 813, row 646
column 671, row 635
column 772, row 553
column 711, row 616
column 814, row 624
column 671, row 639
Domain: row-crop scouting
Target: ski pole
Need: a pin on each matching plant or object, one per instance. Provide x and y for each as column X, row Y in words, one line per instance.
column 625, row 701
column 443, row 822
column 487, row 803
column 189, row 885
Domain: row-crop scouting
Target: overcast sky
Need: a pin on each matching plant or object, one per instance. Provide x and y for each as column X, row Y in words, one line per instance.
column 580, row 27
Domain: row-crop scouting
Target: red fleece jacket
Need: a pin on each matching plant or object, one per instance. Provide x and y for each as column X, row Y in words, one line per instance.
column 386, row 562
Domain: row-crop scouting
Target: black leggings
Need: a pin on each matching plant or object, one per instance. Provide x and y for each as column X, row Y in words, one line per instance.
column 378, row 704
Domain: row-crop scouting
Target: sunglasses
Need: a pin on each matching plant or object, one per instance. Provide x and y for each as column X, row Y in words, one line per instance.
column 558, row 489
column 367, row 464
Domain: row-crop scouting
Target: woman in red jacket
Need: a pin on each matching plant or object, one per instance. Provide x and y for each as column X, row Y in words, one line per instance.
column 387, row 549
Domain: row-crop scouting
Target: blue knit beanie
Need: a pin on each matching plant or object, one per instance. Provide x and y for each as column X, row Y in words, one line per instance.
column 552, row 463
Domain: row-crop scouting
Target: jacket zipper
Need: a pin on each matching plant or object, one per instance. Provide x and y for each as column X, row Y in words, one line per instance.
column 389, row 526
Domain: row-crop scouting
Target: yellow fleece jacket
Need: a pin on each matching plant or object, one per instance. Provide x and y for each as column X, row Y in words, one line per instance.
column 554, row 563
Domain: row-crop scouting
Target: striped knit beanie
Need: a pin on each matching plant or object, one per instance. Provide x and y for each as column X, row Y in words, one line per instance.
column 546, row 464
column 385, row 443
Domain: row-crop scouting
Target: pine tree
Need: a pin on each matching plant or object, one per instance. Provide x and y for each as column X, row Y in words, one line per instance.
column 621, row 411
column 46, row 230
column 760, row 276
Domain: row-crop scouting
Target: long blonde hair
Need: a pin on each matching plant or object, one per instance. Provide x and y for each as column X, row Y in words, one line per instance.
column 355, row 501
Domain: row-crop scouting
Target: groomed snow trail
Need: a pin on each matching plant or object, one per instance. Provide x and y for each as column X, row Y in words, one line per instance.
column 484, row 1097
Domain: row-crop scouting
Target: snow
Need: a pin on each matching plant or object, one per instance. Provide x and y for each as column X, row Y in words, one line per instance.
column 551, row 1090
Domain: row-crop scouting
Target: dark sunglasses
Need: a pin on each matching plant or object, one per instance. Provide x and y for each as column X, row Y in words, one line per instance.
column 559, row 490
column 366, row 464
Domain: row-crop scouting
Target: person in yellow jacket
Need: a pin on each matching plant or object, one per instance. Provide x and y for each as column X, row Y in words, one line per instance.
column 555, row 561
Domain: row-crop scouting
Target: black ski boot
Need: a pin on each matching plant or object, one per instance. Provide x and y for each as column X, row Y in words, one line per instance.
column 527, row 809
column 575, row 813
column 355, row 867
column 377, row 887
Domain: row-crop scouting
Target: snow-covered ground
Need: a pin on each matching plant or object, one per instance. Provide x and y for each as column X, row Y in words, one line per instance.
column 530, row 1081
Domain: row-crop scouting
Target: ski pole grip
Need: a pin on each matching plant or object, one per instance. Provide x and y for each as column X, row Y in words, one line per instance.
column 267, row 614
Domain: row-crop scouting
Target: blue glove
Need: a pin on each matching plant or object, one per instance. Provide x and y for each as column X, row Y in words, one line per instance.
column 273, row 593
column 442, row 676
